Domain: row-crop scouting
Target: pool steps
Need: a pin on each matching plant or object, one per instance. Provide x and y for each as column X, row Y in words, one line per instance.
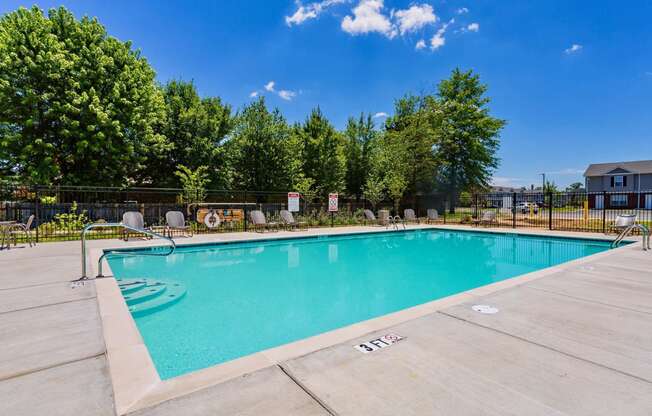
column 145, row 296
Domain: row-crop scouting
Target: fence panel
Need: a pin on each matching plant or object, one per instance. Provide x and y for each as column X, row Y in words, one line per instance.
column 61, row 212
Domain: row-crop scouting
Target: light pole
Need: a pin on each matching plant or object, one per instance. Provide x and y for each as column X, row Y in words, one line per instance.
column 543, row 185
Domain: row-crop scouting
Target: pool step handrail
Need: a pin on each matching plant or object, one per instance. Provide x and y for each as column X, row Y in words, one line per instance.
column 394, row 222
column 644, row 231
column 89, row 227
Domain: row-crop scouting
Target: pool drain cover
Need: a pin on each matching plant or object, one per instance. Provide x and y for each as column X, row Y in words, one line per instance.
column 486, row 309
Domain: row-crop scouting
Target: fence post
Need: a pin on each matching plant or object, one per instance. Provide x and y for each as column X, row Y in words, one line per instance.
column 550, row 210
column 245, row 210
column 604, row 212
column 513, row 209
column 445, row 209
column 37, row 207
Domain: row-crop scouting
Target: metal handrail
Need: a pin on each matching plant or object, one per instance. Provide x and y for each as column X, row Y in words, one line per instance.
column 394, row 222
column 89, row 227
column 644, row 231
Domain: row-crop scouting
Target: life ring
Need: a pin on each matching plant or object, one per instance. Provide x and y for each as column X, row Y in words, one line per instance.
column 212, row 220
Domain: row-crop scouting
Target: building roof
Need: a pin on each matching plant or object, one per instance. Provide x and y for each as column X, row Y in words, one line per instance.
column 615, row 168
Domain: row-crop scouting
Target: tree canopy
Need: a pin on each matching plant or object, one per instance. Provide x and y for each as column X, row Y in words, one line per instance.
column 79, row 107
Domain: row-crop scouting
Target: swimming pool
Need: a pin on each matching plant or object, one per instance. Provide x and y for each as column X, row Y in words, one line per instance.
column 208, row 304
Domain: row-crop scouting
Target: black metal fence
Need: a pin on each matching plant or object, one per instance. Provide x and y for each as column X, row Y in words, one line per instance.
column 566, row 211
column 61, row 212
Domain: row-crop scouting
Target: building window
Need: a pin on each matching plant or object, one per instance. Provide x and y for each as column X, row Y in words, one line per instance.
column 618, row 200
column 618, row 181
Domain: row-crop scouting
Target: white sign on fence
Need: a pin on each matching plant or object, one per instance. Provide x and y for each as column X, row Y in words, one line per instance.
column 293, row 201
column 332, row 202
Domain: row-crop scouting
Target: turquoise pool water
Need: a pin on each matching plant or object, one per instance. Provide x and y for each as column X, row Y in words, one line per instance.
column 246, row 297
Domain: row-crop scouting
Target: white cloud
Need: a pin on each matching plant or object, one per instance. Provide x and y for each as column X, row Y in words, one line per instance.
column 573, row 49
column 567, row 171
column 287, row 95
column 414, row 18
column 367, row 18
column 462, row 10
column 439, row 40
column 420, row 44
column 473, row 27
column 310, row 11
column 381, row 114
column 506, row 181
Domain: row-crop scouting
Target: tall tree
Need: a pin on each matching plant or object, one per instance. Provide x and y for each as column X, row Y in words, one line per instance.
column 260, row 150
column 323, row 157
column 467, row 135
column 195, row 128
column 359, row 135
column 411, row 131
column 76, row 106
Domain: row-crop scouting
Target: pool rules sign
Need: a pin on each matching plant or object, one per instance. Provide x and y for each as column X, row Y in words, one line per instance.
column 332, row 202
column 293, row 201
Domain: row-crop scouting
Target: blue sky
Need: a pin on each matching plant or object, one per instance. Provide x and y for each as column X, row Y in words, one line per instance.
column 566, row 105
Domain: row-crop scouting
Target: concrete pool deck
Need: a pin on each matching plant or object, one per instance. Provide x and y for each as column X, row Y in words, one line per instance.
column 574, row 340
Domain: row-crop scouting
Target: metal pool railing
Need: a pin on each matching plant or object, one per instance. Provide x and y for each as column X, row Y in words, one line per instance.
column 89, row 227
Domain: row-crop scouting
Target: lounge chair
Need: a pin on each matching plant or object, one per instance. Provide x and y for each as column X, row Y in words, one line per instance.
column 260, row 223
column 622, row 221
column 432, row 216
column 410, row 216
column 176, row 221
column 487, row 218
column 370, row 217
column 289, row 221
column 133, row 219
column 17, row 229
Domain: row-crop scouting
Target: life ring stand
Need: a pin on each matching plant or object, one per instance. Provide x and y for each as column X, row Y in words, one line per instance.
column 211, row 219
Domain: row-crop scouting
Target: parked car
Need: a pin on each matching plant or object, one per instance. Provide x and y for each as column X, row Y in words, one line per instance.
column 524, row 207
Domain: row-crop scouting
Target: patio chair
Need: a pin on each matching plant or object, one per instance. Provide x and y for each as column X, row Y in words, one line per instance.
column 622, row 221
column 18, row 229
column 289, row 221
column 176, row 221
column 487, row 218
column 260, row 223
column 432, row 216
column 133, row 219
column 410, row 216
column 370, row 217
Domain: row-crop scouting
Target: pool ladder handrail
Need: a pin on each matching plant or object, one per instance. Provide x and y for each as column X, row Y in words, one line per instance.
column 644, row 231
column 89, row 227
column 394, row 222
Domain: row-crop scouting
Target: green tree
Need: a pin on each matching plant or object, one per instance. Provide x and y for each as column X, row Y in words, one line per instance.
column 322, row 157
column 391, row 161
column 575, row 187
column 76, row 106
column 193, row 183
column 374, row 189
column 260, row 151
column 359, row 135
column 195, row 129
column 411, row 128
column 467, row 135
column 550, row 187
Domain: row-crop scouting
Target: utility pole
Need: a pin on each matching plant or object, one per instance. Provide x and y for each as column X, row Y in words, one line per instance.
column 543, row 186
